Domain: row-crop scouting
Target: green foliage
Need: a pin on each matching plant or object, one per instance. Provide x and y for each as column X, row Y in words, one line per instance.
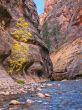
column 20, row 81
column 55, row 30
column 46, row 35
column 45, row 31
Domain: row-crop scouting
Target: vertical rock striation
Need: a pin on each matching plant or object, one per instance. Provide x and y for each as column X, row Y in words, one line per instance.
column 64, row 26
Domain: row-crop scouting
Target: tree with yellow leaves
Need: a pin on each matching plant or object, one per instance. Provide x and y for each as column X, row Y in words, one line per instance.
column 19, row 47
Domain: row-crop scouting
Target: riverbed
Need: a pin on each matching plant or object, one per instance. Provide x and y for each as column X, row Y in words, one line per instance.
column 61, row 95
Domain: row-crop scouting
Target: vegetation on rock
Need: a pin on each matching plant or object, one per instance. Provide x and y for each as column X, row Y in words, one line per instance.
column 21, row 32
column 56, row 30
column 46, row 36
column 19, row 47
column 20, row 81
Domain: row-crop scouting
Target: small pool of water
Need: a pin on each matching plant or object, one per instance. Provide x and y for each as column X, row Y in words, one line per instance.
column 64, row 95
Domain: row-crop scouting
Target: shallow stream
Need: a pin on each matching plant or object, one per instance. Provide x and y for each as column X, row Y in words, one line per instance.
column 64, row 95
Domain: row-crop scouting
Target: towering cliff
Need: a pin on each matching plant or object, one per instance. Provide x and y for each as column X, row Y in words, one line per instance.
column 48, row 5
column 61, row 18
column 63, row 23
column 36, row 65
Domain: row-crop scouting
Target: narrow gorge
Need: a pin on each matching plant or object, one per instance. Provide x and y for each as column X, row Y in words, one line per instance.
column 40, row 55
column 62, row 21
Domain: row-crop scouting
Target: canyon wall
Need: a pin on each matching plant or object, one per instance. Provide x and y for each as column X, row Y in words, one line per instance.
column 37, row 66
column 63, row 23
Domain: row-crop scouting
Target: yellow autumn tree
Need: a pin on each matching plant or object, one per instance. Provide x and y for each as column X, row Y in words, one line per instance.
column 19, row 51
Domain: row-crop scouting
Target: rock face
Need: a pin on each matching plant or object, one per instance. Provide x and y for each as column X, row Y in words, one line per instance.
column 37, row 66
column 67, row 62
column 64, row 27
column 48, row 5
column 63, row 19
column 41, row 18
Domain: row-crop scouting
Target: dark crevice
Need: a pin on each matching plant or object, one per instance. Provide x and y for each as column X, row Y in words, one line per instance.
column 5, row 17
column 30, row 41
column 39, row 73
column 4, row 56
column 79, row 76
column 27, row 65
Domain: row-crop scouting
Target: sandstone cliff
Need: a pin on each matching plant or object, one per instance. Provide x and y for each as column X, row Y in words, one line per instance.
column 37, row 66
column 48, row 6
column 63, row 23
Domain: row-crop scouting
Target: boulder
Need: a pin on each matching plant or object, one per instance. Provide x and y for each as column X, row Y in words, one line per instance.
column 67, row 61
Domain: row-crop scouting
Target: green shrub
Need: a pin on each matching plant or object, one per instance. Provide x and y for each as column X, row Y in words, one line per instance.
column 46, row 35
column 20, row 81
column 55, row 30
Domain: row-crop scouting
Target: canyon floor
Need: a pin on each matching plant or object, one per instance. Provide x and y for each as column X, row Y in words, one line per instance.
column 55, row 95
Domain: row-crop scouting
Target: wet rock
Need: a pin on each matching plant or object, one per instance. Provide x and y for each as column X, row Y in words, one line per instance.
column 29, row 101
column 49, row 85
column 64, row 80
column 22, row 90
column 11, row 108
column 41, row 95
column 39, row 89
column 14, row 102
column 47, row 95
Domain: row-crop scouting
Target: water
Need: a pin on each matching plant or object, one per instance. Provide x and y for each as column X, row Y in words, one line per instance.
column 64, row 95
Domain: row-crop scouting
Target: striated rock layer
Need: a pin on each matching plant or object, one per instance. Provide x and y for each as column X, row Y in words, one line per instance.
column 38, row 66
column 64, row 27
column 67, row 62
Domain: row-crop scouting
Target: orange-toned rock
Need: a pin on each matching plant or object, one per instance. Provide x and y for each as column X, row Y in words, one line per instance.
column 64, row 21
column 67, row 62
column 48, row 5
column 37, row 67
column 64, row 27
